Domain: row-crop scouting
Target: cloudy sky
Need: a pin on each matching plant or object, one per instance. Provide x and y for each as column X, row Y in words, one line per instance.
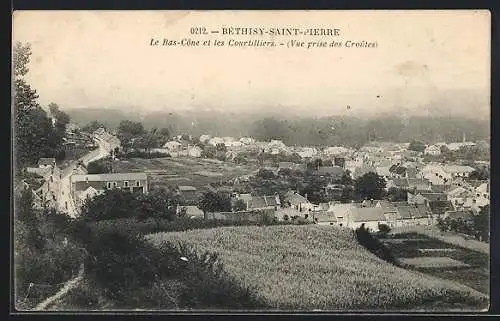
column 103, row 59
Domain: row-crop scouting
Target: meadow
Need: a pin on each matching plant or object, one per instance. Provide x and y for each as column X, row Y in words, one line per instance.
column 197, row 172
column 323, row 268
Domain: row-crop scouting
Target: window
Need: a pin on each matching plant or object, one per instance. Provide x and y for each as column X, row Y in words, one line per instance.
column 331, row 223
column 125, row 184
column 137, row 183
column 115, row 184
column 108, row 184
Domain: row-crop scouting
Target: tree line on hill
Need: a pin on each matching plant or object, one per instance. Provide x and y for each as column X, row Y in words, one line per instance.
column 352, row 130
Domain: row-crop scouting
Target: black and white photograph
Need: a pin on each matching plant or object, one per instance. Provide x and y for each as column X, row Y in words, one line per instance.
column 251, row 161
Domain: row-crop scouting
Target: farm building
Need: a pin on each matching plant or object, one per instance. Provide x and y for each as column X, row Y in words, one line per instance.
column 133, row 182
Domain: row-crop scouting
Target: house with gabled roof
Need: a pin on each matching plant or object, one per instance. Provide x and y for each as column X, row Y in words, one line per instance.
column 438, row 208
column 297, row 201
column 133, row 182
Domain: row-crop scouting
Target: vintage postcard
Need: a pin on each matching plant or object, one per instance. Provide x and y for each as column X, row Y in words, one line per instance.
column 251, row 161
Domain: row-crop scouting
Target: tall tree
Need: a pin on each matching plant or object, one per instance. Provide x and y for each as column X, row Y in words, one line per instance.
column 215, row 202
column 370, row 186
column 128, row 130
column 34, row 134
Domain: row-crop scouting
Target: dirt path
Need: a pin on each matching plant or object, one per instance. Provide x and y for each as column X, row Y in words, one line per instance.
column 68, row 286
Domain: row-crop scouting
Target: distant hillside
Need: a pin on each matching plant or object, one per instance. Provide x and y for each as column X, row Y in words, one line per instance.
column 352, row 130
column 315, row 267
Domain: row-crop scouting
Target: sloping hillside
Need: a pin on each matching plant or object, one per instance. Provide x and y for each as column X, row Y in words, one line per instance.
column 314, row 267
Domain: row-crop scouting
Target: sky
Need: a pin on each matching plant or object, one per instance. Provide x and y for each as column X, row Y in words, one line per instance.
column 84, row 59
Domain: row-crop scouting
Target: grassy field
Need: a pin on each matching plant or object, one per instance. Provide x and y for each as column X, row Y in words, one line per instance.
column 423, row 249
column 315, row 267
column 173, row 172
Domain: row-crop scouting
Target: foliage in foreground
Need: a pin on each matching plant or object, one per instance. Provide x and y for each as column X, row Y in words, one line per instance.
column 315, row 267
column 132, row 273
column 43, row 258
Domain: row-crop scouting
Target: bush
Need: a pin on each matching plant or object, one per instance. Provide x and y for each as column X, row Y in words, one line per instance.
column 384, row 229
column 373, row 245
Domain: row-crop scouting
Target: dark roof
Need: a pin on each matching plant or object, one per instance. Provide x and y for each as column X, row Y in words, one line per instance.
column 46, row 161
column 263, row 201
column 400, row 182
column 422, row 211
column 434, row 196
column 400, row 170
column 406, row 212
column 323, row 216
column 295, row 198
column 418, row 183
column 440, row 207
column 331, row 170
column 438, row 188
column 464, row 215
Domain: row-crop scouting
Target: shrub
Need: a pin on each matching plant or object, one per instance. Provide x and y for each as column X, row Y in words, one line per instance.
column 373, row 245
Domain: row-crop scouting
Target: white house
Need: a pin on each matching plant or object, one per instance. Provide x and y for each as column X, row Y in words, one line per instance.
column 247, row 140
column 205, row 138
column 457, row 146
column 215, row 140
column 172, row 146
column 458, row 170
column 433, row 150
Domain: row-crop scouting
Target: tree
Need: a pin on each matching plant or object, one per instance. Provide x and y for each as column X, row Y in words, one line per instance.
column 221, row 148
column 397, row 194
column 265, row 174
column 482, row 224
column 480, row 174
column 417, row 146
column 112, row 204
column 346, row 178
column 215, row 202
column 34, row 134
column 315, row 164
column 128, row 130
column 384, row 229
column 370, row 186
column 158, row 204
column 209, row 152
column 93, row 126
column 347, row 194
